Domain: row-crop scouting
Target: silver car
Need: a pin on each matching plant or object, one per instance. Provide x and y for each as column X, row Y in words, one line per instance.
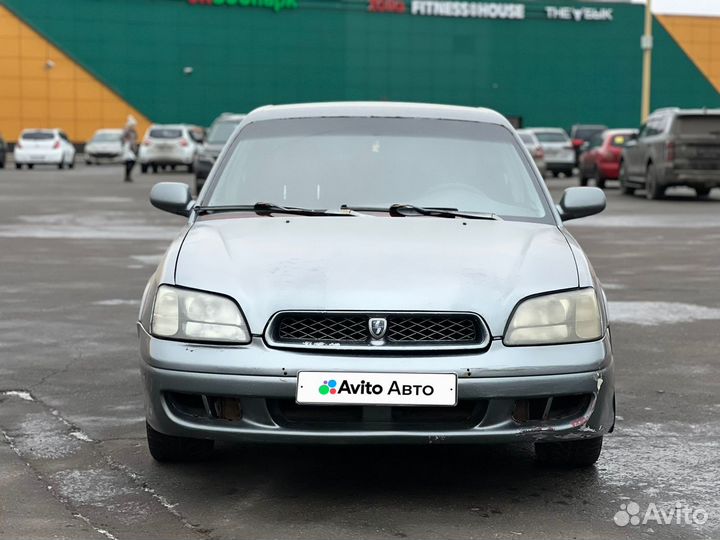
column 559, row 151
column 376, row 273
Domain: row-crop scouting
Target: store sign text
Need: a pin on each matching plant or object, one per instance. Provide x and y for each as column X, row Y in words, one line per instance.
column 480, row 10
column 579, row 14
column 275, row 5
column 490, row 10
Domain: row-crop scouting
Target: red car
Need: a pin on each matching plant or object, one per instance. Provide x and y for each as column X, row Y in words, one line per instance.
column 600, row 158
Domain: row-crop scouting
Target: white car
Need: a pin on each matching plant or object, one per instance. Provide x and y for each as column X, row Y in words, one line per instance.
column 533, row 146
column 44, row 147
column 168, row 145
column 558, row 148
column 106, row 144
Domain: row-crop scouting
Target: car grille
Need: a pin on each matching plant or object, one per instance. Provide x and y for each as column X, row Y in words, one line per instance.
column 418, row 331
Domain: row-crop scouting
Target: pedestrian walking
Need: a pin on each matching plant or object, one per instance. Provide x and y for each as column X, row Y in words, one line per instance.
column 129, row 149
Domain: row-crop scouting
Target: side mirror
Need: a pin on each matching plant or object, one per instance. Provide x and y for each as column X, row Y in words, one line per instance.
column 173, row 197
column 580, row 202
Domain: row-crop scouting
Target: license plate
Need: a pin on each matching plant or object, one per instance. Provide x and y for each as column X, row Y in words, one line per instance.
column 351, row 388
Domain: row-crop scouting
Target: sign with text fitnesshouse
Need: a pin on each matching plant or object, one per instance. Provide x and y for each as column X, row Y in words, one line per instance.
column 489, row 10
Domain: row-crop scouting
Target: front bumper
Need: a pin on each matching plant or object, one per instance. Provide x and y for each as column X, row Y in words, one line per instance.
column 259, row 378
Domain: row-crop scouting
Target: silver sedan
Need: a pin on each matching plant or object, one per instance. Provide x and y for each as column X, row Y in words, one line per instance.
column 376, row 273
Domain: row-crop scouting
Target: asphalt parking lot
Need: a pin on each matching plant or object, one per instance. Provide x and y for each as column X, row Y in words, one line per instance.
column 76, row 248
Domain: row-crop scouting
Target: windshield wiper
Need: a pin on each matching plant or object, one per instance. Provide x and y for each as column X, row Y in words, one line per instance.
column 266, row 209
column 404, row 210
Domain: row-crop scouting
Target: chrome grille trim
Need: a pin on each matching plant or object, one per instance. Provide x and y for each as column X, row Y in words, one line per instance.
column 403, row 333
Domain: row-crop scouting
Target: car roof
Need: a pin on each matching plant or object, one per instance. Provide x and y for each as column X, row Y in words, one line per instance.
column 589, row 126
column 233, row 117
column 554, row 130
column 43, row 130
column 617, row 131
column 169, row 126
column 109, row 130
column 377, row 109
column 686, row 112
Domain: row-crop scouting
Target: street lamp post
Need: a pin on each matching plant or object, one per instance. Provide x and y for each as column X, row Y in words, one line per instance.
column 646, row 43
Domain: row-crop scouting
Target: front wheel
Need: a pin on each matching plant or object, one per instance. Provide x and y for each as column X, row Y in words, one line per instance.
column 61, row 165
column 18, row 165
column 702, row 192
column 653, row 190
column 143, row 168
column 569, row 454
column 624, row 188
column 166, row 448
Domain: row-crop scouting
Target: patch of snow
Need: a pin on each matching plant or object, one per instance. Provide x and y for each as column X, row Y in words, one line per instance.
column 22, row 394
column 657, row 313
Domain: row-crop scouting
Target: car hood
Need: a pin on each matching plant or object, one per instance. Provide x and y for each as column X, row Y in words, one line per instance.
column 271, row 264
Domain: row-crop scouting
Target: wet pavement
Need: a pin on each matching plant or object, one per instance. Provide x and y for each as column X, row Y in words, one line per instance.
column 76, row 248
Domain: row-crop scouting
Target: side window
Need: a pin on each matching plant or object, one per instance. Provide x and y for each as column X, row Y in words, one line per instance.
column 652, row 127
column 596, row 140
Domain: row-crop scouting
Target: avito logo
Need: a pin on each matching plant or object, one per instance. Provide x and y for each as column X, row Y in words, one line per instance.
column 328, row 387
column 367, row 388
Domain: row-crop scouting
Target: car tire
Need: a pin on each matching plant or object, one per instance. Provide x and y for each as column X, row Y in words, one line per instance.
column 169, row 449
column 569, row 454
column 71, row 165
column 702, row 192
column 583, row 178
column 30, row 165
column 190, row 168
column 653, row 190
column 61, row 165
column 555, row 174
column 154, row 168
column 18, row 165
column 568, row 173
column 624, row 188
column 143, row 168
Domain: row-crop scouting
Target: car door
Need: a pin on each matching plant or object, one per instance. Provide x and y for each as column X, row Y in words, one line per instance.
column 634, row 151
column 589, row 156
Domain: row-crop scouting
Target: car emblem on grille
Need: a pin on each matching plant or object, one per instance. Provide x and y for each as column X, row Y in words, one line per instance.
column 377, row 327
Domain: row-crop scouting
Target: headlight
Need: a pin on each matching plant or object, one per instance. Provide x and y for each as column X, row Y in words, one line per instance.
column 566, row 317
column 197, row 316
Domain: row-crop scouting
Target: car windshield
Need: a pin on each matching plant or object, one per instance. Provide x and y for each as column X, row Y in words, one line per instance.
column 107, row 137
column 551, row 136
column 38, row 135
column 698, row 125
column 526, row 138
column 165, row 133
column 586, row 133
column 619, row 140
column 220, row 132
column 323, row 163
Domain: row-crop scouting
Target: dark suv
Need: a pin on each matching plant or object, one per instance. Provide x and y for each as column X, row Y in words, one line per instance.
column 676, row 147
column 219, row 133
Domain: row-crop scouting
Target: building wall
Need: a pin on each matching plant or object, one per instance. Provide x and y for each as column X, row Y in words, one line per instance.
column 40, row 87
column 129, row 55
